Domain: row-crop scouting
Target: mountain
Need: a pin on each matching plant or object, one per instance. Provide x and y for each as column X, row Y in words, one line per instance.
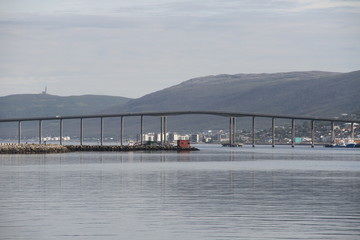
column 43, row 105
column 46, row 105
column 315, row 93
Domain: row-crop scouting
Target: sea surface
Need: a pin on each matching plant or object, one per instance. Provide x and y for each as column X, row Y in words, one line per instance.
column 215, row 193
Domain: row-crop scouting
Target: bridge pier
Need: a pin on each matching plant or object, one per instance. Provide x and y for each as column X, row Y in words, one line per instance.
column 121, row 130
column 163, row 129
column 312, row 133
column 101, row 131
column 273, row 131
column 61, row 131
column 19, row 132
column 292, row 132
column 253, row 131
column 142, row 129
column 40, row 131
column 332, row 132
column 81, row 131
column 232, row 130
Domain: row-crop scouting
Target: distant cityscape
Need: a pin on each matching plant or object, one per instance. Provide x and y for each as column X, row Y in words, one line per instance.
column 343, row 132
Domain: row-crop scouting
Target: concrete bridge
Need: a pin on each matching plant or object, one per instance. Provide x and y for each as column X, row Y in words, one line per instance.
column 163, row 123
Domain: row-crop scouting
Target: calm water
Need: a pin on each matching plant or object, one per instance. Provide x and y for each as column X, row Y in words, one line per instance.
column 217, row 193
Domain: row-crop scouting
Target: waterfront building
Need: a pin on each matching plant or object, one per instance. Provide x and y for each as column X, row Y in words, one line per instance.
column 194, row 138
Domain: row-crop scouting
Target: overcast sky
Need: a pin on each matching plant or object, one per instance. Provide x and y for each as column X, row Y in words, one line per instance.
column 134, row 47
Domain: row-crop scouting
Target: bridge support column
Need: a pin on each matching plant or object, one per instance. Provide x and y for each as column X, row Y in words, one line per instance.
column 101, row 131
column 312, row 133
column 141, row 129
column 121, row 130
column 81, row 131
column 163, row 129
column 40, row 131
column 332, row 132
column 273, row 132
column 19, row 132
column 253, row 131
column 61, row 131
column 232, row 131
column 293, row 132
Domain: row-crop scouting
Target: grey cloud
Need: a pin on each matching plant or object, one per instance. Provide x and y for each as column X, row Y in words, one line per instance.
column 165, row 42
column 70, row 21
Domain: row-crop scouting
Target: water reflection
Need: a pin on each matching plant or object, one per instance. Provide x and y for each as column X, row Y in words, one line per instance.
column 216, row 193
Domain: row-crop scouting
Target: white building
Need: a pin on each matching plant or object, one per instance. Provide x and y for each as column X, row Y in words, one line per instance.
column 194, row 138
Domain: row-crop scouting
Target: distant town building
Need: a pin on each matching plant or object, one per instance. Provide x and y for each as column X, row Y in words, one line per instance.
column 195, row 138
column 149, row 137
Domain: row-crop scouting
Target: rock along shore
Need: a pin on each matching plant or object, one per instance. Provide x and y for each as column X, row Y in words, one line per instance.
column 55, row 148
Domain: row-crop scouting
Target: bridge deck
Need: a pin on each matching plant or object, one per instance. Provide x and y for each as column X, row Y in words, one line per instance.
column 174, row 113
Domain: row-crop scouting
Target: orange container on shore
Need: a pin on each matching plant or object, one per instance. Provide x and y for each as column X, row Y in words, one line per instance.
column 183, row 143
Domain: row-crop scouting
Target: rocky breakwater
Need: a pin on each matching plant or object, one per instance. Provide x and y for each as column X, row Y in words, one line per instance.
column 148, row 148
column 32, row 148
column 54, row 148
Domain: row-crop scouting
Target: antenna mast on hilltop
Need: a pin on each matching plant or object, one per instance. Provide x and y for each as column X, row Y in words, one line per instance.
column 45, row 92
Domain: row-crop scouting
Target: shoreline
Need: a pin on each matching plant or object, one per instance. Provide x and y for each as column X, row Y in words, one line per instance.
column 55, row 148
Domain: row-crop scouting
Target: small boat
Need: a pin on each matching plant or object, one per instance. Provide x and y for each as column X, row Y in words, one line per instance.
column 342, row 145
column 351, row 145
column 335, row 145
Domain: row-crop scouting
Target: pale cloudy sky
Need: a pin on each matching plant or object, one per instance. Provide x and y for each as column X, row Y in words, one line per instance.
column 134, row 47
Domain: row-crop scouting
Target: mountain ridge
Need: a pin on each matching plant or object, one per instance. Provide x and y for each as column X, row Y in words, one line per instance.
column 312, row 93
column 43, row 105
column 251, row 93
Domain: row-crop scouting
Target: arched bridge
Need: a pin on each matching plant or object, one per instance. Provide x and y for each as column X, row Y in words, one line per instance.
column 163, row 123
